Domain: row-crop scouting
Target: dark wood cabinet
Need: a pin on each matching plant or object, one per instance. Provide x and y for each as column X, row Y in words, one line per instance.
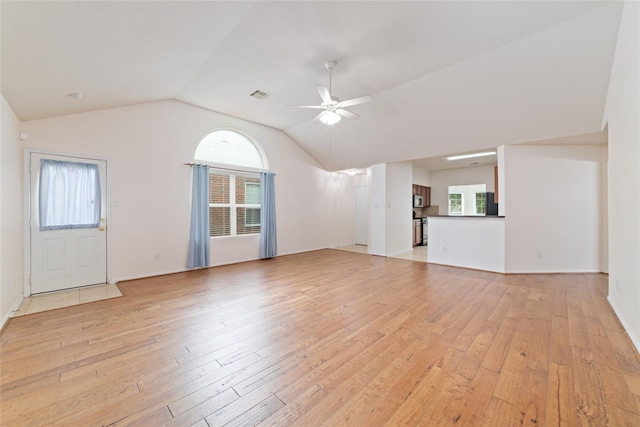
column 423, row 191
column 417, row 232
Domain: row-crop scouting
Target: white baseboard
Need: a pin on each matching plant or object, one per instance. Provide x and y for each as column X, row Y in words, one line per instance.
column 552, row 271
column 7, row 316
column 403, row 251
column 146, row 276
column 625, row 325
column 182, row 270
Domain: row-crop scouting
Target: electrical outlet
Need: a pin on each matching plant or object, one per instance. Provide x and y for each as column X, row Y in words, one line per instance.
column 539, row 254
column 156, row 257
column 444, row 249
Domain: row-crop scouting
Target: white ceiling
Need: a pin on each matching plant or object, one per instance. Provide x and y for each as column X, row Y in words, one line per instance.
column 446, row 77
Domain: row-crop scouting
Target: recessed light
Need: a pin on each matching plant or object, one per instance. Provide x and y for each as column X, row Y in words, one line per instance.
column 470, row 156
column 75, row 95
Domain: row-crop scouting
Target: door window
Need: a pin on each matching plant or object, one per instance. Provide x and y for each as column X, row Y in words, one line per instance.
column 69, row 195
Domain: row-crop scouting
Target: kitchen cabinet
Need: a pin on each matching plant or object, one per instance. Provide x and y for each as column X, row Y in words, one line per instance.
column 423, row 191
column 417, row 232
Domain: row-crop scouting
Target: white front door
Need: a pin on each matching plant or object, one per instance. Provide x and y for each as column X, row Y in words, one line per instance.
column 362, row 215
column 67, row 250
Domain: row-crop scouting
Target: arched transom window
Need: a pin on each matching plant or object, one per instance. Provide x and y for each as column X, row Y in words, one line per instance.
column 231, row 148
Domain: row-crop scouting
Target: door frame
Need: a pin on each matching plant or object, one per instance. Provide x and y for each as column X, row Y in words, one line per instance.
column 26, row 208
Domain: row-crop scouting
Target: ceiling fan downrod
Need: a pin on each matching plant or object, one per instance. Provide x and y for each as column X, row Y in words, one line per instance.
column 330, row 65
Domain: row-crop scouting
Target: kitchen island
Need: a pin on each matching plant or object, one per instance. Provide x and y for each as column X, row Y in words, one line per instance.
column 476, row 242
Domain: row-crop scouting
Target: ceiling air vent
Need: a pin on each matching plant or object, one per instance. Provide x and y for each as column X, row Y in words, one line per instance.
column 259, row 94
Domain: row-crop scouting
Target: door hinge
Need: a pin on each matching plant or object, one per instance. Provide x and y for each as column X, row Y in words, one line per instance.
column 30, row 280
column 29, row 167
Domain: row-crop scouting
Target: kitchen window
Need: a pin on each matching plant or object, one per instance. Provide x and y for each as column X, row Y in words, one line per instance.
column 481, row 203
column 455, row 204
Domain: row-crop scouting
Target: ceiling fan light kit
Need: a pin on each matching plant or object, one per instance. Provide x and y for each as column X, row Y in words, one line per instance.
column 333, row 108
column 329, row 117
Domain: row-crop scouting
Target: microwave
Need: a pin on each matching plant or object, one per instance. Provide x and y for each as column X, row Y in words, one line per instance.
column 418, row 201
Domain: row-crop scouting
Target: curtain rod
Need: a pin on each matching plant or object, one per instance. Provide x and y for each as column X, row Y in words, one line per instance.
column 229, row 169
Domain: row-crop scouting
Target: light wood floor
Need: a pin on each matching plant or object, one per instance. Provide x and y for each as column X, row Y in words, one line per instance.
column 327, row 338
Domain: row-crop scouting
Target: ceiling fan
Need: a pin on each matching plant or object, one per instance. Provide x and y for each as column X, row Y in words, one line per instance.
column 333, row 108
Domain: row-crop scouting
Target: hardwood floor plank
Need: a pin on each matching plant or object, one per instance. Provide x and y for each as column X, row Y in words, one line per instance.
column 559, row 351
column 370, row 400
column 532, row 404
column 327, row 338
column 499, row 413
column 477, row 398
column 614, row 386
column 477, row 351
column 590, row 399
column 514, row 369
column 497, row 352
column 446, row 407
column 561, row 397
column 254, row 415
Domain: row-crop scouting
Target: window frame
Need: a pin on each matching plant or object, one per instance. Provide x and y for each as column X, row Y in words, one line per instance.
column 236, row 166
column 461, row 204
column 233, row 204
column 484, row 203
column 252, row 206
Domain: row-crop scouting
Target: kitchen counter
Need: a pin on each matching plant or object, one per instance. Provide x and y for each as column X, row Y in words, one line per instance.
column 464, row 241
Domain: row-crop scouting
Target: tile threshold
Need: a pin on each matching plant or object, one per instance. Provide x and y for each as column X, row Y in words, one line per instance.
column 66, row 298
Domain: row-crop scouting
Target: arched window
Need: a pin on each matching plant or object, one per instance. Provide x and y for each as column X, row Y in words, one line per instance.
column 234, row 193
column 231, row 148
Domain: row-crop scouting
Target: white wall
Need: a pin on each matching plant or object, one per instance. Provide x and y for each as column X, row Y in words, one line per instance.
column 604, row 208
column 553, row 204
column 622, row 112
column 390, row 208
column 502, row 185
column 377, row 183
column 421, row 177
column 441, row 180
column 11, row 225
column 399, row 208
column 468, row 242
column 339, row 205
column 146, row 145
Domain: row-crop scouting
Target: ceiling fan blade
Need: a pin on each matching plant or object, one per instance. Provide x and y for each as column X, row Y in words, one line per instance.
column 355, row 101
column 306, row 106
column 324, row 94
column 347, row 114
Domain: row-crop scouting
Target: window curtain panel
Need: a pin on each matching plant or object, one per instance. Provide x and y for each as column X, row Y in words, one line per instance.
column 199, row 230
column 268, row 243
column 69, row 195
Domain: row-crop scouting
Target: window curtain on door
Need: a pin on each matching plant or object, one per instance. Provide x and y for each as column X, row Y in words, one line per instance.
column 69, row 195
column 268, row 244
column 199, row 232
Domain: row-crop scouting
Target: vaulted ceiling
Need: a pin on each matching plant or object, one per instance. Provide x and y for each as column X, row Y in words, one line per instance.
column 446, row 76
